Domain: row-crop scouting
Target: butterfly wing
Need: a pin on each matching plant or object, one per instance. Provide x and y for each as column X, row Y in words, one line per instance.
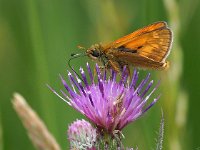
column 144, row 47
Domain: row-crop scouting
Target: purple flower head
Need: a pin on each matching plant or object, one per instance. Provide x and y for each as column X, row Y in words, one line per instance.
column 82, row 135
column 109, row 104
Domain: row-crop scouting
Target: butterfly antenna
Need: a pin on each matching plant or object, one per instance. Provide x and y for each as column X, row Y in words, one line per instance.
column 74, row 56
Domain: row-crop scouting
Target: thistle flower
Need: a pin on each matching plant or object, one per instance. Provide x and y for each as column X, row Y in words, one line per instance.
column 82, row 135
column 109, row 104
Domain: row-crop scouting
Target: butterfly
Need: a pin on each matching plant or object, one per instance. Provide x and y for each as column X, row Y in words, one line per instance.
column 146, row 48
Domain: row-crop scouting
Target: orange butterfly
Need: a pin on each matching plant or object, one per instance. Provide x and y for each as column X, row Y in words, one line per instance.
column 146, row 48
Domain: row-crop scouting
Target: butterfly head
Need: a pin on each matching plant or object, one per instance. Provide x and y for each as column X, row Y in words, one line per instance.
column 94, row 52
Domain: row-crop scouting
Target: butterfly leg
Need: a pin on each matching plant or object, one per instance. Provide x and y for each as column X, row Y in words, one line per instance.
column 114, row 65
column 128, row 72
column 118, row 67
column 101, row 68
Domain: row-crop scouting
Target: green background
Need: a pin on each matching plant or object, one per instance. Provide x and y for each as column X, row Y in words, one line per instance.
column 38, row 36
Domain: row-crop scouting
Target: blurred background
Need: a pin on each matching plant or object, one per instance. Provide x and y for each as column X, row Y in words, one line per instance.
column 38, row 36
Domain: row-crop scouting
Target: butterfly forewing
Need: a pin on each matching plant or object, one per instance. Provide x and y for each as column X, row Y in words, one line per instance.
column 147, row 47
column 153, row 45
column 136, row 33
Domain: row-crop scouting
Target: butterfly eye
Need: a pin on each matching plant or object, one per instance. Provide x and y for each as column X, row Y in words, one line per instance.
column 95, row 53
